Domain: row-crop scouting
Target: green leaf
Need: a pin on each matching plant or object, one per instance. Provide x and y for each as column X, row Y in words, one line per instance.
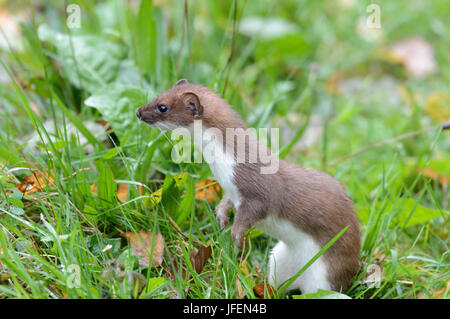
column 408, row 212
column 180, row 179
column 170, row 196
column 154, row 283
column 90, row 61
column 118, row 104
column 16, row 202
column 411, row 213
column 186, row 203
column 106, row 186
column 287, row 47
column 111, row 153
column 322, row 294
column 255, row 232
column 10, row 157
column 16, row 210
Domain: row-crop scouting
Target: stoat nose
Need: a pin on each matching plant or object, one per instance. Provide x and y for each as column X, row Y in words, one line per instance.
column 139, row 113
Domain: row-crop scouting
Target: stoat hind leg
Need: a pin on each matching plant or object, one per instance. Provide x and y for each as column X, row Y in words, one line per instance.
column 285, row 261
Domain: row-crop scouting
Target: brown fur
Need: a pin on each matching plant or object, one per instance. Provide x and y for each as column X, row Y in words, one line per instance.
column 313, row 201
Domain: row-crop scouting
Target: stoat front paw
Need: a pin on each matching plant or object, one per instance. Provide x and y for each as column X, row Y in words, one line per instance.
column 222, row 212
column 238, row 237
column 222, row 216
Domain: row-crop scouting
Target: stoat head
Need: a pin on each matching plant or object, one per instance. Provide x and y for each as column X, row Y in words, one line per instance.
column 177, row 107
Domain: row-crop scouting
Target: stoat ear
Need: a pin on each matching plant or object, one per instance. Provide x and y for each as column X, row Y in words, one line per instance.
column 182, row 81
column 192, row 103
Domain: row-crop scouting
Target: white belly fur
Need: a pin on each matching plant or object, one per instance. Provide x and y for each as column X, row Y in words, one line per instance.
column 222, row 167
column 293, row 251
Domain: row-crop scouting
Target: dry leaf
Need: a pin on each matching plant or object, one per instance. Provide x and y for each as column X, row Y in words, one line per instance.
column 259, row 291
column 141, row 245
column 239, row 288
column 122, row 191
column 35, row 182
column 104, row 124
column 207, row 190
column 199, row 259
column 430, row 173
column 417, row 55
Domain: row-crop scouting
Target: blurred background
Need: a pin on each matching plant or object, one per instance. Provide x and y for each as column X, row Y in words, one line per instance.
column 359, row 89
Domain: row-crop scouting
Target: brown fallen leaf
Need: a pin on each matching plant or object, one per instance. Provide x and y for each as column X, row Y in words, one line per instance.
column 198, row 260
column 431, row 174
column 260, row 289
column 207, row 190
column 35, row 182
column 141, row 244
column 122, row 191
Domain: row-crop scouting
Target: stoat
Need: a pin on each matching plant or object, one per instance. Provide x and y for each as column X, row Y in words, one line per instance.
column 303, row 208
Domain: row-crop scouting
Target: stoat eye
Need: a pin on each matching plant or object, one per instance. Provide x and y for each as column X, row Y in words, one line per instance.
column 163, row 108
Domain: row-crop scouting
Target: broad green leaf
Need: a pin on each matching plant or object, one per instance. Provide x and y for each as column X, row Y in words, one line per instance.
column 289, row 46
column 106, row 186
column 16, row 202
column 181, row 178
column 90, row 61
column 186, row 203
column 111, row 153
column 171, row 196
column 256, row 232
column 154, row 283
column 407, row 213
column 322, row 294
column 412, row 213
column 118, row 104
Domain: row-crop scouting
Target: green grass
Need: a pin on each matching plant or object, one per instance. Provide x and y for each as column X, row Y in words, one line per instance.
column 123, row 55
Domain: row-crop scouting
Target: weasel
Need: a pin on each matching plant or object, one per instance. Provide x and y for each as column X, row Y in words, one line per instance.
column 303, row 208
